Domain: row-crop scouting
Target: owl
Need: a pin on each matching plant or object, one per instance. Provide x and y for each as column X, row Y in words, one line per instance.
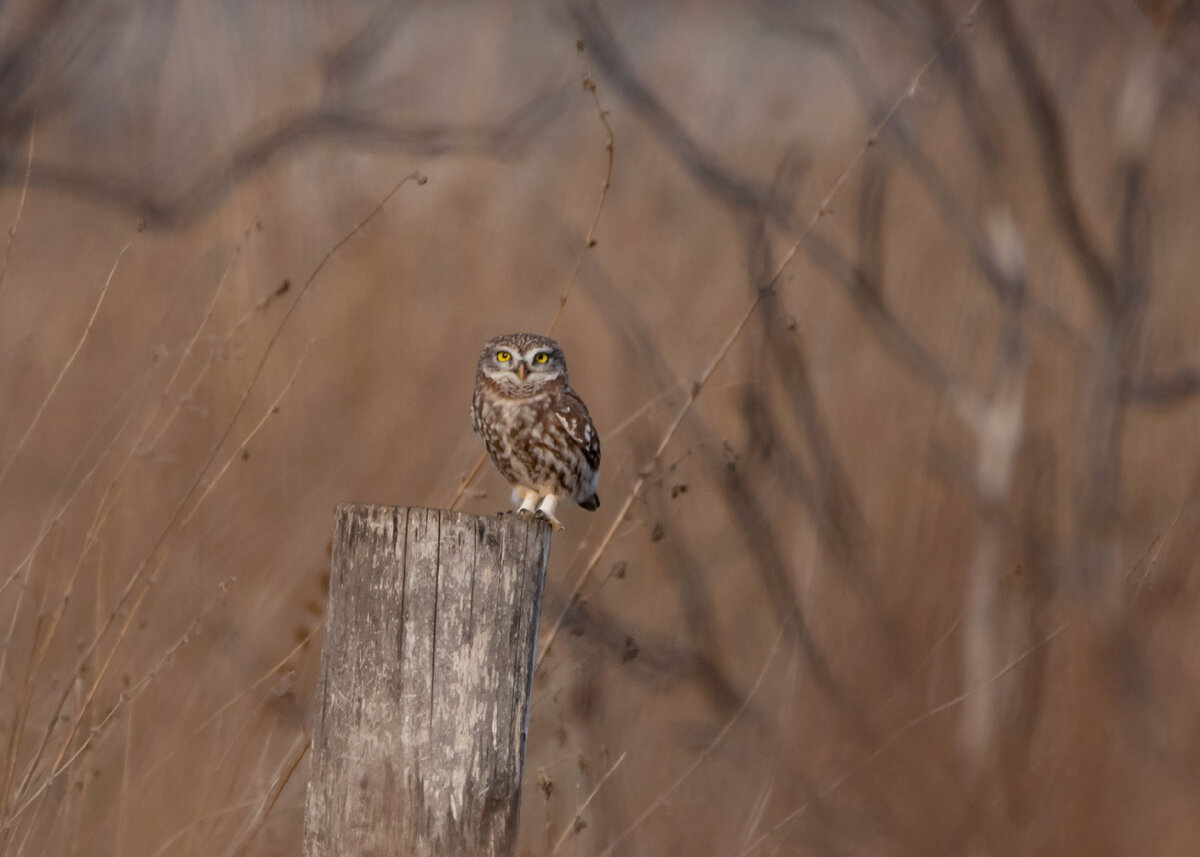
column 535, row 427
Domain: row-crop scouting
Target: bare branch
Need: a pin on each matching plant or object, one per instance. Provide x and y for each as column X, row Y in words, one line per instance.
column 12, row 230
column 573, row 826
column 666, row 793
column 1166, row 390
column 66, row 366
column 145, row 199
column 611, row 59
column 589, row 239
column 1052, row 150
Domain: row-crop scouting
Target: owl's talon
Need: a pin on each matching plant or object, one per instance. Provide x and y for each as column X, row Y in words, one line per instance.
column 523, row 513
column 554, row 522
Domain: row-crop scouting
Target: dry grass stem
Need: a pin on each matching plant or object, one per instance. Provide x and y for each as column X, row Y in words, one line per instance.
column 573, row 826
column 137, row 576
column 212, row 718
column 663, row 796
column 12, row 230
column 287, row 768
column 891, row 739
column 37, row 416
column 589, row 239
column 135, row 607
column 64, row 761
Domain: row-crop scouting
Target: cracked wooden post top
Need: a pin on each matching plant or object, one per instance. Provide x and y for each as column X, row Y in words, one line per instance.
column 423, row 697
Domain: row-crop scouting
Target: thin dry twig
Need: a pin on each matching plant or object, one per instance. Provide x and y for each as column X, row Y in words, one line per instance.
column 191, row 345
column 170, row 841
column 236, row 740
column 48, row 524
column 573, row 827
column 212, row 718
column 61, row 764
column 126, row 764
column 589, row 240
column 137, row 576
column 230, row 336
column 904, row 729
column 12, row 230
column 98, row 525
column 240, row 451
column 467, row 480
column 133, row 611
column 17, row 725
column 66, row 366
column 282, row 777
column 103, row 510
column 666, row 793
column 362, row 224
column 767, row 288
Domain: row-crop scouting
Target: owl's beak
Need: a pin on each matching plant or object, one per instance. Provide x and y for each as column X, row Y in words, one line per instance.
column 521, row 370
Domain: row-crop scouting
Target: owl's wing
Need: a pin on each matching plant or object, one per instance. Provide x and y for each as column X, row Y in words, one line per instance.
column 475, row 407
column 573, row 414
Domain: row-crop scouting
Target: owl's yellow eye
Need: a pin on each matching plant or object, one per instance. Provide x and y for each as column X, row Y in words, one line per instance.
column 503, row 356
column 541, row 358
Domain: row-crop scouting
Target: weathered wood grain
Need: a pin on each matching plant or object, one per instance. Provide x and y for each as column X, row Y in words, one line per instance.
column 423, row 698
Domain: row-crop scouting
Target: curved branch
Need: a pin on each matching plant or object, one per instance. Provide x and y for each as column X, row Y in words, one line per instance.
column 1052, row 151
column 1166, row 390
column 145, row 198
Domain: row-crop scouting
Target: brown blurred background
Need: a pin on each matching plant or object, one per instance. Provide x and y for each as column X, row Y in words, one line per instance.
column 916, row 575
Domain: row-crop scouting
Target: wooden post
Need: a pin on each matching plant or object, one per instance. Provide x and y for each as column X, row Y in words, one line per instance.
column 423, row 697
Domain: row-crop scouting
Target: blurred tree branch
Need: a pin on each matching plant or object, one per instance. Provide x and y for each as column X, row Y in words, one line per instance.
column 754, row 523
column 1053, row 155
column 55, row 48
column 504, row 139
column 1170, row 389
column 610, row 58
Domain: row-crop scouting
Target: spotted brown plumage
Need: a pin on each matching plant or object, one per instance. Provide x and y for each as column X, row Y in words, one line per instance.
column 535, row 427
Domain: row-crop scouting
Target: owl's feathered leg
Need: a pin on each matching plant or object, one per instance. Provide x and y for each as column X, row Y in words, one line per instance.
column 528, row 500
column 546, row 510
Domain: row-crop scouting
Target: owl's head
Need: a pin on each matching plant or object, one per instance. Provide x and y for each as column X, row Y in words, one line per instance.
column 523, row 363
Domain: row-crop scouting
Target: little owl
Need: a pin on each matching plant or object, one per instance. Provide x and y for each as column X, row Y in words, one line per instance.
column 535, row 427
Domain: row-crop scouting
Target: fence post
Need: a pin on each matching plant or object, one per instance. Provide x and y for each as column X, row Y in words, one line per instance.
column 423, row 696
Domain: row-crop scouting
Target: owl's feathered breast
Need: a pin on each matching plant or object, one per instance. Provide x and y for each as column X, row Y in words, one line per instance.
column 543, row 440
